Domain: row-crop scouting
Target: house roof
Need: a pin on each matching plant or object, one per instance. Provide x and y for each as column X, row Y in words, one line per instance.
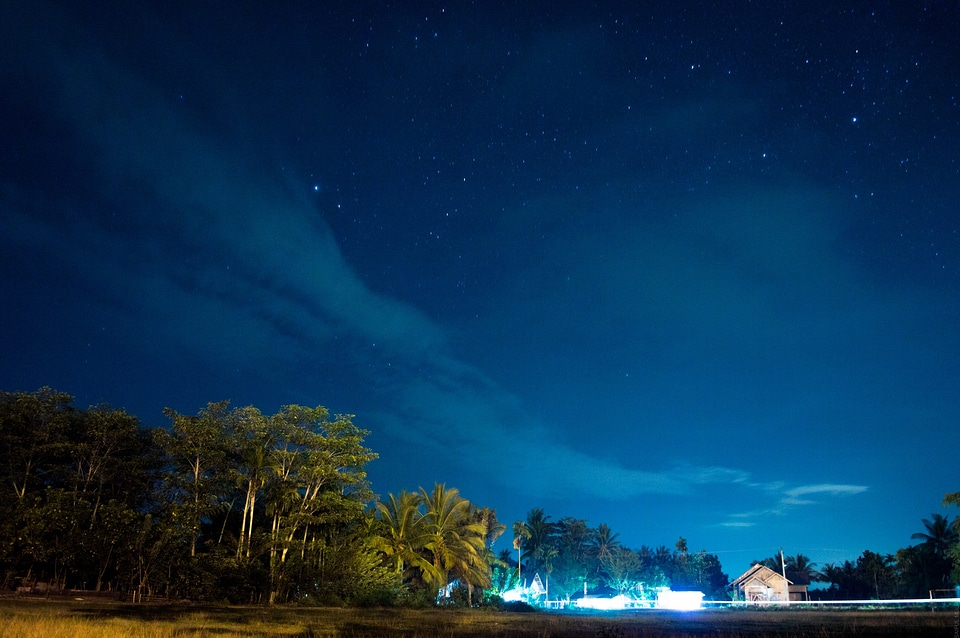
column 760, row 573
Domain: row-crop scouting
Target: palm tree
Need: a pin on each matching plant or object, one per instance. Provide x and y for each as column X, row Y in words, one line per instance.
column 494, row 527
column 801, row 564
column 546, row 554
column 604, row 541
column 938, row 539
column 843, row 580
column 775, row 562
column 542, row 534
column 520, row 532
column 663, row 558
column 454, row 540
column 875, row 571
column 404, row 534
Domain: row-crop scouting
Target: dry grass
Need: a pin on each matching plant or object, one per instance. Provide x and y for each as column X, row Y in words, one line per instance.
column 83, row 619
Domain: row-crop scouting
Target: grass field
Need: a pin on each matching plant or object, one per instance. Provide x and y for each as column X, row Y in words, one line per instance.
column 39, row 618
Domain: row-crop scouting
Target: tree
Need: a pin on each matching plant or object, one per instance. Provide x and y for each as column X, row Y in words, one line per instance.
column 652, row 574
column 32, row 438
column 253, row 441
column 939, row 536
column 109, row 475
column 196, row 448
column 77, row 479
column 454, row 539
column 503, row 577
column 488, row 518
column 572, row 572
column 542, row 535
column 622, row 567
column 954, row 551
column 709, row 577
column 875, row 574
column 843, row 579
column 938, row 539
column 803, row 566
column 871, row 576
column 494, row 529
column 520, row 533
column 603, row 542
column 403, row 535
column 319, row 481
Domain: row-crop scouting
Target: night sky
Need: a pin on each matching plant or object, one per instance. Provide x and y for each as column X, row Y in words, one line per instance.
column 689, row 270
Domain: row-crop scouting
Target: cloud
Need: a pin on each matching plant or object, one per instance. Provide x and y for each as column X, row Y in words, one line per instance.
column 788, row 498
column 794, row 496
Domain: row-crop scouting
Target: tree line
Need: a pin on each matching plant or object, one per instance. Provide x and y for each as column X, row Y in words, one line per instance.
column 932, row 565
column 574, row 559
column 231, row 504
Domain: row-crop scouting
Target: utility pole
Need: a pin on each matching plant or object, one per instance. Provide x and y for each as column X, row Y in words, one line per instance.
column 783, row 568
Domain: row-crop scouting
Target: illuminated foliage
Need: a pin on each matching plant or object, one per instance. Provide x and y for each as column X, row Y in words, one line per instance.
column 434, row 538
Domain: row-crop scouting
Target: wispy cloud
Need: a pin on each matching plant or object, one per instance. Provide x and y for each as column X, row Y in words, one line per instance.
column 795, row 496
column 787, row 499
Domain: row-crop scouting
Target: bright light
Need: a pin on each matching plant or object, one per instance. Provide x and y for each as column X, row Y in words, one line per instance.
column 607, row 604
column 511, row 595
column 679, row 600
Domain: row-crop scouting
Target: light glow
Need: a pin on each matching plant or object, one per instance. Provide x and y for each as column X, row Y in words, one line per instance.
column 607, row 604
column 679, row 600
column 512, row 595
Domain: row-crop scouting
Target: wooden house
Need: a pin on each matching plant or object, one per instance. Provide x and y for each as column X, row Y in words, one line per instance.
column 762, row 584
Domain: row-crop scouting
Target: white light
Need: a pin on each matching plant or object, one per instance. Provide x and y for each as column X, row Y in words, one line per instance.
column 606, row 604
column 679, row 600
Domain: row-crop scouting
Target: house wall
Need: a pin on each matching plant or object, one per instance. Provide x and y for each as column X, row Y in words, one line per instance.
column 756, row 589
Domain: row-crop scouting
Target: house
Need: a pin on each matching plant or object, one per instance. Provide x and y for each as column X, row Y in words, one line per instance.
column 762, row 584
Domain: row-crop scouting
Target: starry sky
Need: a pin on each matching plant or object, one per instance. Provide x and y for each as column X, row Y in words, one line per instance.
column 689, row 269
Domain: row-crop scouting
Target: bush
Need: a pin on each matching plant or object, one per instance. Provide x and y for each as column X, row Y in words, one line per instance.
column 416, row 599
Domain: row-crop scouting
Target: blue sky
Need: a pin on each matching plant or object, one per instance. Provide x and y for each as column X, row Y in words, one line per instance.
column 691, row 271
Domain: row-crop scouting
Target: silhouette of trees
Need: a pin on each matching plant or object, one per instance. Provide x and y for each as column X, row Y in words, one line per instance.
column 234, row 504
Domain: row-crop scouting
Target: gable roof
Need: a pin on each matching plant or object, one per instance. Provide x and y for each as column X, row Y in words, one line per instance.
column 761, row 573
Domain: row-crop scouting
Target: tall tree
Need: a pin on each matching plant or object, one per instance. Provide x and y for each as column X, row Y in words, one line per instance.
column 196, row 447
column 542, row 535
column 938, row 535
column 494, row 530
column 938, row 538
column 875, row 573
column 403, row 534
column 454, row 539
column 622, row 568
column 32, row 438
column 954, row 551
column 253, row 441
column 802, row 565
column 320, row 480
column 75, row 479
column 603, row 543
column 520, row 534
column 572, row 572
